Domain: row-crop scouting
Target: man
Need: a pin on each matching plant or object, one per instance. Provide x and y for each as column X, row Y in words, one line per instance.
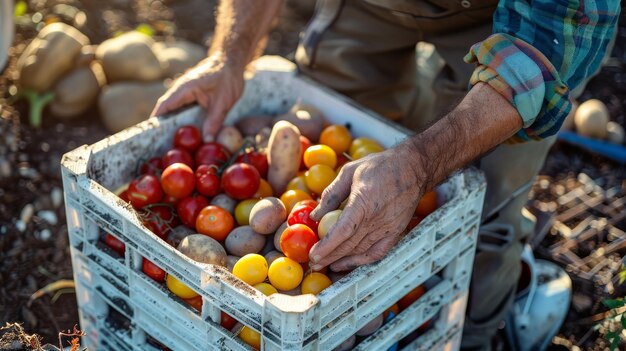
column 526, row 62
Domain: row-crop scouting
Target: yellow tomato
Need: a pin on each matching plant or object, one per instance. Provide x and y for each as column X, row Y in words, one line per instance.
column 265, row 190
column 314, row 283
column 291, row 197
column 285, row 273
column 366, row 150
column 319, row 177
column 242, row 211
column 179, row 289
column 362, row 141
column 251, row 268
column 298, row 183
column 266, row 289
column 337, row 137
column 327, row 222
column 250, row 337
column 320, row 155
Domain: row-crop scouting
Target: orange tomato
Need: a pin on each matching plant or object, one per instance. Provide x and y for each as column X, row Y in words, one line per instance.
column 296, row 242
column 291, row 197
column 314, row 283
column 195, row 302
column 178, row 288
column 394, row 308
column 311, row 203
column 285, row 274
column 427, row 204
column 366, row 150
column 266, row 289
column 242, row 211
column 320, row 155
column 250, row 337
column 408, row 299
column 215, row 222
column 319, row 177
column 251, row 268
column 265, row 190
column 362, row 141
column 305, row 143
column 298, row 183
column 337, row 137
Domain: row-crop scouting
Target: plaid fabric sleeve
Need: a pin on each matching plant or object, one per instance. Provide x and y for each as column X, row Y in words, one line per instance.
column 538, row 52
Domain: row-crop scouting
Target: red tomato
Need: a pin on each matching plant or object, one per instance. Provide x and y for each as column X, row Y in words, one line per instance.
column 189, row 208
column 296, row 242
column 207, row 181
column 227, row 322
column 302, row 214
column 308, row 202
column 256, row 159
column 178, row 180
column 177, row 155
column 170, row 200
column 408, row 299
column 144, row 190
column 124, row 196
column 415, row 220
column 240, row 181
column 114, row 243
column 211, row 154
column 188, row 138
column 195, row 302
column 153, row 166
column 160, row 220
column 341, row 160
column 153, row 271
column 305, row 143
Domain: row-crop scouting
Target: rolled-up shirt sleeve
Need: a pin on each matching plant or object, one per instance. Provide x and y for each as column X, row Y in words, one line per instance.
column 538, row 52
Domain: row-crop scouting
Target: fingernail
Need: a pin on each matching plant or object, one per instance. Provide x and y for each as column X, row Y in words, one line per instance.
column 317, row 267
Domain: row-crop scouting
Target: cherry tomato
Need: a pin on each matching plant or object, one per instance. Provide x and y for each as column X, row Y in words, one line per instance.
column 188, row 138
column 319, row 177
column 341, row 160
column 298, row 183
column 242, row 211
column 427, row 204
column 189, row 208
column 302, row 215
column 408, row 299
column 337, row 137
column 211, row 154
column 177, row 156
column 362, row 141
column 195, row 302
column 285, row 274
column 114, row 243
column 178, row 180
column 327, row 222
column 320, row 155
column 266, row 289
column 265, row 190
column 215, row 222
column 291, row 197
column 305, row 143
column 251, row 268
column 240, row 181
column 314, row 283
column 178, row 288
column 250, row 337
column 160, row 219
column 144, row 190
column 124, row 195
column 415, row 220
column 207, row 181
column 226, row 321
column 256, row 159
column 365, row 151
column 170, row 200
column 307, row 202
column 153, row 166
column 153, row 271
column 296, row 242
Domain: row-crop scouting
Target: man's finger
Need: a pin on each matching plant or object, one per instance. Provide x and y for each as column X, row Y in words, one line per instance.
column 334, row 194
column 375, row 253
column 171, row 101
column 213, row 121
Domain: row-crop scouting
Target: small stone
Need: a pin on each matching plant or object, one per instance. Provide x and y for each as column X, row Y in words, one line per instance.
column 27, row 213
column 56, row 195
column 44, row 235
column 5, row 168
column 21, row 226
column 48, row 216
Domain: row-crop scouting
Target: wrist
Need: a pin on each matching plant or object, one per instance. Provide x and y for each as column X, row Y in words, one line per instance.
column 412, row 155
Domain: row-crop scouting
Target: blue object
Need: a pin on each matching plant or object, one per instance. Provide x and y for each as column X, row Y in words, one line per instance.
column 390, row 316
column 613, row 151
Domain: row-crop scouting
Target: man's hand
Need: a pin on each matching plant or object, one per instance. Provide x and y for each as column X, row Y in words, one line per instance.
column 214, row 83
column 382, row 191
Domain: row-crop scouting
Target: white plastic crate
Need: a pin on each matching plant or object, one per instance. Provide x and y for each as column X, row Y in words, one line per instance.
column 122, row 309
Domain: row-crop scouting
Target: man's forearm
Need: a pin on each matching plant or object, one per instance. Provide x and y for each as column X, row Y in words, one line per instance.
column 483, row 120
column 240, row 27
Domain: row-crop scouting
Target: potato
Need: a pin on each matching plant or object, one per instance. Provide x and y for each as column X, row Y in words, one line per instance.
column 203, row 249
column 269, row 246
column 243, row 240
column 278, row 234
column 87, row 55
column 251, row 125
column 262, row 138
column 371, row 326
column 283, row 156
column 307, row 118
column 177, row 235
column 271, row 256
column 591, row 119
column 178, row 56
column 230, row 262
column 125, row 104
column 70, row 102
column 129, row 57
column 267, row 215
column 225, row 202
column 49, row 56
column 335, row 276
column 346, row 345
column 230, row 138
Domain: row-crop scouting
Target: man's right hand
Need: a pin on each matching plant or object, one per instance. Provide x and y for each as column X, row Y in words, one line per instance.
column 215, row 83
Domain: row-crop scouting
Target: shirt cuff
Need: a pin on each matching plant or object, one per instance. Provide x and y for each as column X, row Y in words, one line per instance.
column 526, row 78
